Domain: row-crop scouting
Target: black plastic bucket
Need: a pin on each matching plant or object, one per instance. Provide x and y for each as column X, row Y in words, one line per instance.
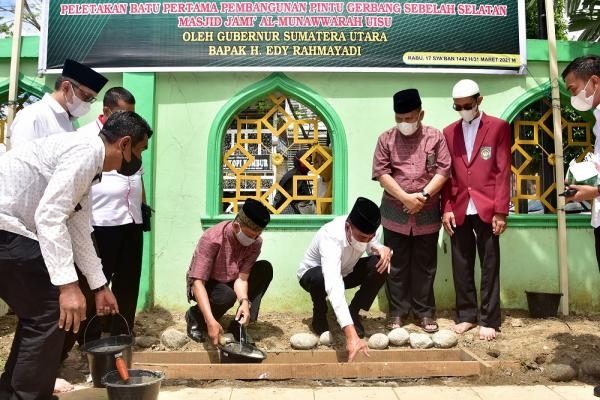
column 543, row 305
column 142, row 385
column 101, row 354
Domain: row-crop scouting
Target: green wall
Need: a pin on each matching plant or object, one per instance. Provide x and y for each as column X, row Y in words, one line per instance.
column 182, row 107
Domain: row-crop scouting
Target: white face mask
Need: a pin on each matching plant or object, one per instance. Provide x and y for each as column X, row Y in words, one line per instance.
column 469, row 115
column 356, row 245
column 77, row 108
column 244, row 239
column 408, row 128
column 582, row 103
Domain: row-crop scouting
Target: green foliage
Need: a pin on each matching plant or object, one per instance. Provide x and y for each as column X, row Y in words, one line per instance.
column 584, row 15
column 31, row 14
column 531, row 19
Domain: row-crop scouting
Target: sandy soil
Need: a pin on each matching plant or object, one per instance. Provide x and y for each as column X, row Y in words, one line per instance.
column 531, row 343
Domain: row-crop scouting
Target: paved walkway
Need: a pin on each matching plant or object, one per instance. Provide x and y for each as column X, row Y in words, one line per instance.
column 539, row 392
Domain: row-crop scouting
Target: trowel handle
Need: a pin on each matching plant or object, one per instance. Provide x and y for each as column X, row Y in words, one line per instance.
column 121, row 367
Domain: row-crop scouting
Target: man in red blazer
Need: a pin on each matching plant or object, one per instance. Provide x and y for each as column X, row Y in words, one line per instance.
column 475, row 205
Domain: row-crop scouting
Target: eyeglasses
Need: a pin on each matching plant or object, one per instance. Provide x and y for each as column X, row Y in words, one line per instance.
column 467, row 107
column 88, row 98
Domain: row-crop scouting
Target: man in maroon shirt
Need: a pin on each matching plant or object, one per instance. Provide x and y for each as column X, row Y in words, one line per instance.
column 411, row 163
column 224, row 270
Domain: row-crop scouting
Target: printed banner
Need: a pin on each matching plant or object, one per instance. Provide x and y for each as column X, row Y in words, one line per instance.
column 474, row 35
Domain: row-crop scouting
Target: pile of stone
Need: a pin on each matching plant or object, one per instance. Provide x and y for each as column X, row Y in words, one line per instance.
column 443, row 339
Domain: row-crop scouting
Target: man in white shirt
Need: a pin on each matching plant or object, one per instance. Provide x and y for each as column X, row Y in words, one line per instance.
column 44, row 229
column 74, row 91
column 582, row 79
column 333, row 263
column 117, row 223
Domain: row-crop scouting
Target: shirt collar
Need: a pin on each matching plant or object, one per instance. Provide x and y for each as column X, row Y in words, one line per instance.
column 474, row 122
column 54, row 105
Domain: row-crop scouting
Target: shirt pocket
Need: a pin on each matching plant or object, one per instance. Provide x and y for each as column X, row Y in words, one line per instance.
column 431, row 161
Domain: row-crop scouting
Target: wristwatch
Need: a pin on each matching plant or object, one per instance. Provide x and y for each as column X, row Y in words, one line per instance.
column 99, row 289
column 425, row 194
column 245, row 299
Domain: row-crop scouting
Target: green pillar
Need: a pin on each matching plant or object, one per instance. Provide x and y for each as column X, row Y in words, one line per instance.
column 143, row 87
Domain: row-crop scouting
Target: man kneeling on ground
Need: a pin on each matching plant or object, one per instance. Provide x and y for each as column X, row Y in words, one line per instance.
column 333, row 263
column 224, row 269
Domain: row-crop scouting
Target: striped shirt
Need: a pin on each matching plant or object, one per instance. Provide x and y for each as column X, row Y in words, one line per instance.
column 220, row 256
column 412, row 161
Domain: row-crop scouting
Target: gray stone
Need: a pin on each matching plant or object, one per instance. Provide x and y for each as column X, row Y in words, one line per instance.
column 326, row 339
column 516, row 323
column 420, row 341
column 378, row 341
column 591, row 368
column 303, row 341
column 226, row 338
column 173, row 339
column 146, row 341
column 560, row 372
column 398, row 337
column 444, row 339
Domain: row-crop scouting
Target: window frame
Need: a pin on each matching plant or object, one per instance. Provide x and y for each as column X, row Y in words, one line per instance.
column 542, row 220
column 276, row 82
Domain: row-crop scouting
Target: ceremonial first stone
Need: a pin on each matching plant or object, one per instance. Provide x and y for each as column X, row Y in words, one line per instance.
column 303, row 341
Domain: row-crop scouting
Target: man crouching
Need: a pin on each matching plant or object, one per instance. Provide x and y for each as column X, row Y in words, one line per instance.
column 224, row 269
column 333, row 263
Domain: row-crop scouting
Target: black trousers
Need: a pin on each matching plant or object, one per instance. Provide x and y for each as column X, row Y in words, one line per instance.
column 472, row 235
column 120, row 248
column 222, row 297
column 409, row 285
column 32, row 365
column 364, row 275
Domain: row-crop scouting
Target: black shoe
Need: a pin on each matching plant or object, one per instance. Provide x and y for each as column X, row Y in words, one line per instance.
column 194, row 330
column 358, row 326
column 319, row 323
column 597, row 391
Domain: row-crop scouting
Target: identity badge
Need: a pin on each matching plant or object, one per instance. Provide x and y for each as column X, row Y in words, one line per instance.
column 486, row 152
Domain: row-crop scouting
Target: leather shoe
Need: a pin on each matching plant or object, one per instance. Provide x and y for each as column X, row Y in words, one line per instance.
column 194, row 331
column 597, row 391
column 358, row 326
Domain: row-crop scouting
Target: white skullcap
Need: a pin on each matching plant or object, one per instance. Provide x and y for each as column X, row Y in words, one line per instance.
column 465, row 88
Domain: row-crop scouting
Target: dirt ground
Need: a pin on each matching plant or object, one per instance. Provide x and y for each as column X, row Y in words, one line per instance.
column 531, row 343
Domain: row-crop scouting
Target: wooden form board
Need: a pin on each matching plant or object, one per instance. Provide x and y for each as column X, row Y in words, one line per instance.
column 328, row 364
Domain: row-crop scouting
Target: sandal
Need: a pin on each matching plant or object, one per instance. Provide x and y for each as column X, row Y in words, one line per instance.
column 426, row 321
column 393, row 323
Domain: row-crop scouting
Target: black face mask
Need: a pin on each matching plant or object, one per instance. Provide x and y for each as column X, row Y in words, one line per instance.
column 129, row 168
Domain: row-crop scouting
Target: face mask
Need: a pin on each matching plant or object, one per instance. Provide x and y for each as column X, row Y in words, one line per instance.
column 358, row 246
column 244, row 239
column 78, row 108
column 582, row 103
column 130, row 167
column 408, row 128
column 469, row 115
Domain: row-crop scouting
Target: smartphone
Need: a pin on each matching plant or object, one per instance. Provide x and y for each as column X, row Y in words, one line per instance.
column 568, row 192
